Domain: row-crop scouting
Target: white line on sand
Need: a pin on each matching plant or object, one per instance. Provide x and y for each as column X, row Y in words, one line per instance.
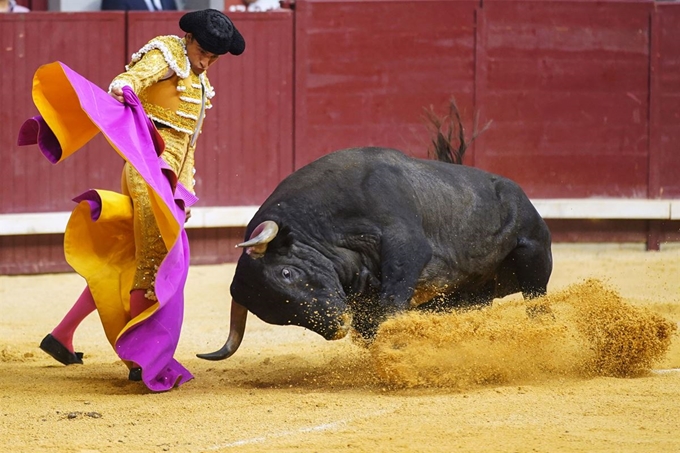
column 667, row 371
column 308, row 429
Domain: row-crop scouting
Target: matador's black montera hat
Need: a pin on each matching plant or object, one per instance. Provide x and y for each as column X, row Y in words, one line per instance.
column 214, row 31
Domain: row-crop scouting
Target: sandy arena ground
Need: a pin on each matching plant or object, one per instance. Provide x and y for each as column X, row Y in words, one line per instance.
column 596, row 376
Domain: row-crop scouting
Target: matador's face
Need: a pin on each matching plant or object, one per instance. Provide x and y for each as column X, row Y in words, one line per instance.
column 199, row 58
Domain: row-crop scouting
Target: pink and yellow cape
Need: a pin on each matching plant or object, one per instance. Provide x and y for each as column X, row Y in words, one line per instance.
column 99, row 238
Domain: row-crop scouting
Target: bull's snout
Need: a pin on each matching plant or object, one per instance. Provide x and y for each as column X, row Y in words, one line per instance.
column 331, row 324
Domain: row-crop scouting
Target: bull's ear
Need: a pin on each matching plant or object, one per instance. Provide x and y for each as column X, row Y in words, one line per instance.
column 285, row 238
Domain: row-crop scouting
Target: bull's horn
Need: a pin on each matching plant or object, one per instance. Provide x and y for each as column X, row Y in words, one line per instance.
column 237, row 326
column 262, row 235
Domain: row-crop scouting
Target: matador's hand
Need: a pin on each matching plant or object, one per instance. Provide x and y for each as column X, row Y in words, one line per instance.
column 117, row 94
column 187, row 214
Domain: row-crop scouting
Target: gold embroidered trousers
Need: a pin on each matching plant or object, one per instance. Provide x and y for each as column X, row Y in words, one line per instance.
column 149, row 247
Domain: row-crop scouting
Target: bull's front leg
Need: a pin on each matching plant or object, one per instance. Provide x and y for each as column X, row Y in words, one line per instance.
column 403, row 257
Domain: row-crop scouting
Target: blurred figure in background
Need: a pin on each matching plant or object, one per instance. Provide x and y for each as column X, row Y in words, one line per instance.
column 253, row 5
column 139, row 5
column 262, row 5
column 10, row 6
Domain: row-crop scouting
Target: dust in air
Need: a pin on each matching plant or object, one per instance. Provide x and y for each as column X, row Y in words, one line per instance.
column 585, row 330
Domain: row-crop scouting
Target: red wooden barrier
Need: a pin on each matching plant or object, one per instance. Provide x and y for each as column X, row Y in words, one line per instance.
column 30, row 182
column 566, row 85
column 583, row 97
column 664, row 181
column 365, row 71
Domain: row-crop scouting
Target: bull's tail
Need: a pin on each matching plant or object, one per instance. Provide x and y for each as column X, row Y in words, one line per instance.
column 447, row 129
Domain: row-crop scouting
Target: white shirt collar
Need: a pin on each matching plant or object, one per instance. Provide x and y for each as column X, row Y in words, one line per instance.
column 154, row 5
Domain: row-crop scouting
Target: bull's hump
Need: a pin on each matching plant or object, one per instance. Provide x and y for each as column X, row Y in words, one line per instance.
column 337, row 171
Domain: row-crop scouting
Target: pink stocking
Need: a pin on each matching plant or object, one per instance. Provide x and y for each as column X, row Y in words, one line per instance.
column 139, row 302
column 80, row 310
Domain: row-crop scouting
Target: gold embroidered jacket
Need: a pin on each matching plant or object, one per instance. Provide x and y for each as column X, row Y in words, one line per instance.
column 172, row 95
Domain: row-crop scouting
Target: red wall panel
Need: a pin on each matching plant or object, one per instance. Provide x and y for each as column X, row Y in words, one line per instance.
column 365, row 72
column 247, row 144
column 665, row 98
column 246, row 147
column 566, row 85
column 29, row 41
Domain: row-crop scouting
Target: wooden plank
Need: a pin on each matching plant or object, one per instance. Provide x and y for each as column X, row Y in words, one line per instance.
column 36, row 223
column 665, row 102
column 566, row 85
column 239, row 216
column 365, row 72
column 567, row 208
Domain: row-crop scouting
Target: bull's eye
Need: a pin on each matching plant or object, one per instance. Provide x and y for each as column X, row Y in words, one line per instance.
column 285, row 273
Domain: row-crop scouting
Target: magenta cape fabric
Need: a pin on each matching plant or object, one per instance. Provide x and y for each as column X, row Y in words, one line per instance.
column 151, row 342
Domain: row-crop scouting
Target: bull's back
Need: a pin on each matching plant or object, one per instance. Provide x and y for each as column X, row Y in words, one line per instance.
column 354, row 165
column 452, row 201
column 451, row 194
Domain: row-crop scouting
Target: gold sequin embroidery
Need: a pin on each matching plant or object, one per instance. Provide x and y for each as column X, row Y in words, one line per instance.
column 149, row 246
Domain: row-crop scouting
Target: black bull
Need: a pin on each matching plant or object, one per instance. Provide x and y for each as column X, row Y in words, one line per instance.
column 364, row 233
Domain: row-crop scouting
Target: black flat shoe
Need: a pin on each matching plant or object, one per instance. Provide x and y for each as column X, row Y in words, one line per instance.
column 58, row 351
column 135, row 374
